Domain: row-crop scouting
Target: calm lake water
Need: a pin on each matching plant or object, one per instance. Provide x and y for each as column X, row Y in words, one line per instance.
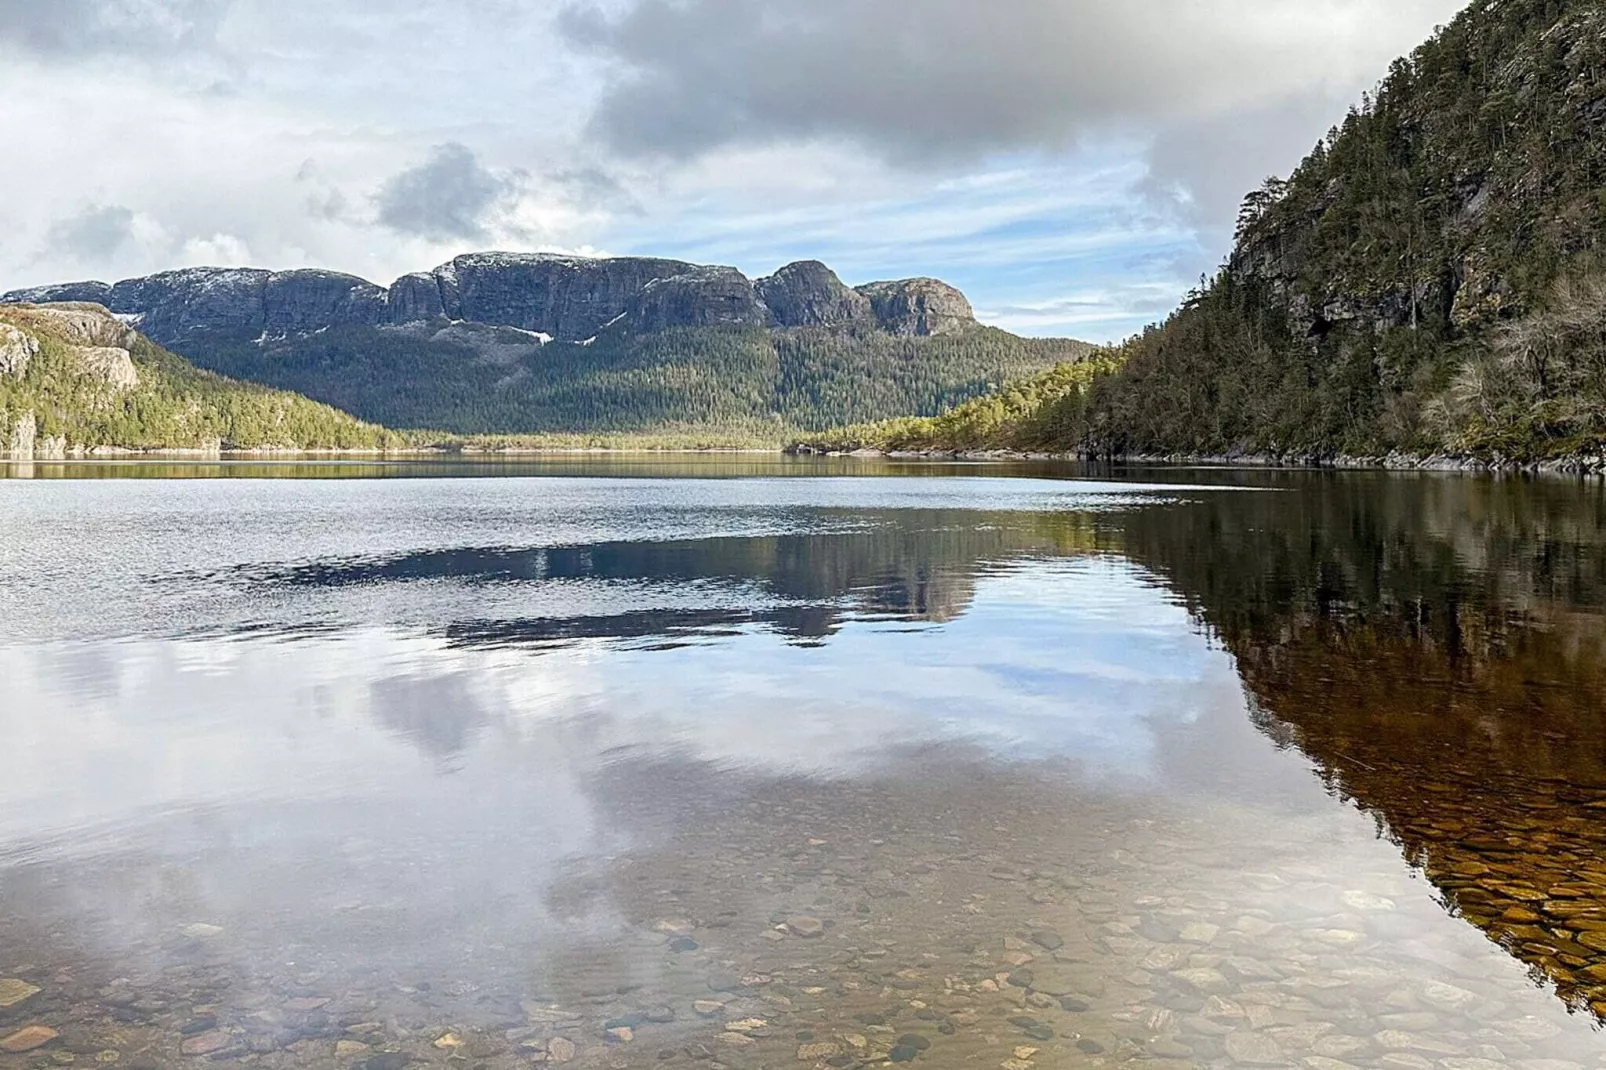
column 754, row 763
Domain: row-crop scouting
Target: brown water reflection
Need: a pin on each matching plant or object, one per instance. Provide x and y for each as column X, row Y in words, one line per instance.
column 1439, row 647
column 841, row 773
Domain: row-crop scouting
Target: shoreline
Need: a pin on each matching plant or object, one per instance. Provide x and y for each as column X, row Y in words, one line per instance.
column 108, row 453
column 1581, row 465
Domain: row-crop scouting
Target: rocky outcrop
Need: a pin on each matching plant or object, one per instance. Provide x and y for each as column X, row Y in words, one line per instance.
column 109, row 365
column 17, row 350
column 919, row 308
column 22, row 435
column 414, row 299
column 300, row 302
column 566, row 298
column 176, row 304
column 570, row 298
column 98, row 341
column 702, row 297
column 809, row 294
column 83, row 324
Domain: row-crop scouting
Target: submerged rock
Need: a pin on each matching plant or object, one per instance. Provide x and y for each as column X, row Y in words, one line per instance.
column 805, row 926
column 14, row 991
column 1048, row 939
column 208, row 1043
column 389, row 1060
column 34, row 1036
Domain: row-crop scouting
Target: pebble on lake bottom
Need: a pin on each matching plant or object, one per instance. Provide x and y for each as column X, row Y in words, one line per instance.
column 13, row 991
column 29, row 1039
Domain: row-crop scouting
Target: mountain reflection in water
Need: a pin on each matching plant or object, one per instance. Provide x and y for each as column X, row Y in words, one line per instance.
column 1061, row 768
column 1439, row 648
column 918, row 567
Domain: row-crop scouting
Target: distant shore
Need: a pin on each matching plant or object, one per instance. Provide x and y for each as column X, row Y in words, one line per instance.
column 1393, row 462
column 1585, row 465
column 104, row 454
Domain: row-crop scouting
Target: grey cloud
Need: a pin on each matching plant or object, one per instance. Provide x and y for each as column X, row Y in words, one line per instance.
column 93, row 235
column 83, row 27
column 323, row 202
column 591, row 187
column 1216, row 161
column 449, row 196
column 947, row 82
column 329, row 206
column 949, row 79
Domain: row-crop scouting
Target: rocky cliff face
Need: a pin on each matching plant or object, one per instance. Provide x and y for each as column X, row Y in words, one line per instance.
column 565, row 298
column 82, row 324
column 809, row 294
column 414, row 299
column 701, row 297
column 97, row 341
column 1452, row 200
column 919, row 307
column 109, row 365
column 236, row 302
column 17, row 350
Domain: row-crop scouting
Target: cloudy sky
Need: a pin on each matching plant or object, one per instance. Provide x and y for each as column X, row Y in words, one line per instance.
column 1072, row 164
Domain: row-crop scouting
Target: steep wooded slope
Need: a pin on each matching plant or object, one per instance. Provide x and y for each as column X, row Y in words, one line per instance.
column 1428, row 281
column 74, row 378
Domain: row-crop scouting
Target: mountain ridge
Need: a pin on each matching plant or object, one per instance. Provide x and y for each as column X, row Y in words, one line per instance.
column 568, row 298
column 542, row 344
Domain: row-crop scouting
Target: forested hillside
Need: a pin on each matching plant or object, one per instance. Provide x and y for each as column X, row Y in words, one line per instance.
column 1429, row 280
column 73, row 378
column 1032, row 415
column 747, row 381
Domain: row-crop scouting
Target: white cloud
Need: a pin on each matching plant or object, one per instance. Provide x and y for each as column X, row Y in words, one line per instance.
column 225, row 249
column 1031, row 148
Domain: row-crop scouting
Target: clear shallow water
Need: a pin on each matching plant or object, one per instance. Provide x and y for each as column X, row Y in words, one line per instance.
column 759, row 763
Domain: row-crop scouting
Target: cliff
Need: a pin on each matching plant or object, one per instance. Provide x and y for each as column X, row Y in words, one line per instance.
column 566, row 298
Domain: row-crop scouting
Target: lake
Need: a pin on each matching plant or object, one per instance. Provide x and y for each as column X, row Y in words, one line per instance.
column 757, row 762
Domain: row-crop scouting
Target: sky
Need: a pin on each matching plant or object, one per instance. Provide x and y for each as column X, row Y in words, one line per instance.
column 1073, row 165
